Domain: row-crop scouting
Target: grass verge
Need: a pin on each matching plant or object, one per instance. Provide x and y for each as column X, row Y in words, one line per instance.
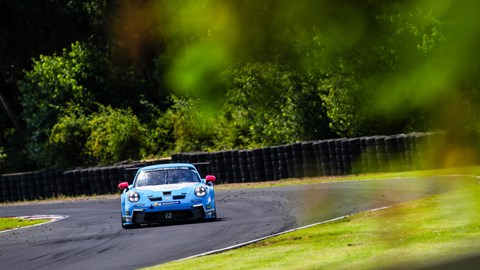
column 414, row 234
column 8, row 223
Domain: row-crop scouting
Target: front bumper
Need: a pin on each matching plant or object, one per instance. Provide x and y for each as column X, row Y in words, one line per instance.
column 179, row 212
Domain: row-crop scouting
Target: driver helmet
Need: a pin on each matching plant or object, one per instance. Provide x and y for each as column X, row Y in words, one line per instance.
column 180, row 174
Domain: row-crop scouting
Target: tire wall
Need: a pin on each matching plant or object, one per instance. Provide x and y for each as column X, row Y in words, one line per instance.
column 332, row 157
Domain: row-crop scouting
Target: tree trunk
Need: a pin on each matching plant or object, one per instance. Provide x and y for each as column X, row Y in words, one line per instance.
column 12, row 115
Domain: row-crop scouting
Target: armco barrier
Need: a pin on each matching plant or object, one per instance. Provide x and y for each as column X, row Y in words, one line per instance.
column 307, row 159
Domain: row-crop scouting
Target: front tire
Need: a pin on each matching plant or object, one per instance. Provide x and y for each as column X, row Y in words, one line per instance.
column 214, row 216
column 128, row 226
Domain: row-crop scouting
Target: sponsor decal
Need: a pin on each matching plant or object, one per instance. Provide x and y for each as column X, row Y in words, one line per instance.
column 169, row 168
column 169, row 203
column 168, row 187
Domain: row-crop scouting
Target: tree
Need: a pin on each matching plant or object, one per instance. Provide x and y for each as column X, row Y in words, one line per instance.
column 260, row 107
column 183, row 127
column 115, row 135
column 30, row 28
column 53, row 83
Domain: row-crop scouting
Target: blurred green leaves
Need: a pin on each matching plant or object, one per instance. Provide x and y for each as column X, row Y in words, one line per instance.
column 403, row 55
column 3, row 155
column 358, row 67
column 243, row 74
column 197, row 71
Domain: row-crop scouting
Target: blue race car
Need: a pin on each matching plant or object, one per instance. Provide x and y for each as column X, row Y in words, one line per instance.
column 167, row 192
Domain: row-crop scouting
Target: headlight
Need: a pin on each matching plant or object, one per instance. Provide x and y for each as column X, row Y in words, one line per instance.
column 133, row 196
column 200, row 191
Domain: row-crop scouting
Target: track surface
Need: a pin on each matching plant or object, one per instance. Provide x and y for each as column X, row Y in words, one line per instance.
column 92, row 238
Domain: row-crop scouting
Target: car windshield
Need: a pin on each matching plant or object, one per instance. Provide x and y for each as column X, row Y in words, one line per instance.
column 164, row 176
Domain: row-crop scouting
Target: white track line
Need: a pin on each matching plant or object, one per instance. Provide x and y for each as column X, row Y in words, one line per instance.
column 53, row 218
column 274, row 235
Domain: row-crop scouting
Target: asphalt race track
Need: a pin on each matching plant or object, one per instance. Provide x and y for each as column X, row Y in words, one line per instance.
column 92, row 238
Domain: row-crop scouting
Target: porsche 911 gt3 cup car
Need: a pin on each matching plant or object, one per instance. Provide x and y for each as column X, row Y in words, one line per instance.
column 167, row 192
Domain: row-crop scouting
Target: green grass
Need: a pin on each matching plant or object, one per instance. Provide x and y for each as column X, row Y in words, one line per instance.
column 13, row 222
column 421, row 232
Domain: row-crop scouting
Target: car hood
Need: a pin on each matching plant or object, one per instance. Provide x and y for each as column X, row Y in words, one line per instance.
column 169, row 187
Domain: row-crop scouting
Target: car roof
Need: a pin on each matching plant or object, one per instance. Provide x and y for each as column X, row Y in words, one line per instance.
column 168, row 165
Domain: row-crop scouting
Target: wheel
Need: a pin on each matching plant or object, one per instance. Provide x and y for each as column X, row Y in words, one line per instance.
column 214, row 216
column 128, row 226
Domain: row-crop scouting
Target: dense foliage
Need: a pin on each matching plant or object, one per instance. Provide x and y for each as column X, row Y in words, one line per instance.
column 98, row 82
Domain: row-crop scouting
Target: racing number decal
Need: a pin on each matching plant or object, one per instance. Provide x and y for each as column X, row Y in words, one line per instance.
column 168, row 215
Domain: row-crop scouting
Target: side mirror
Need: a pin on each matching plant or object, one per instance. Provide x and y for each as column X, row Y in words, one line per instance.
column 210, row 178
column 123, row 185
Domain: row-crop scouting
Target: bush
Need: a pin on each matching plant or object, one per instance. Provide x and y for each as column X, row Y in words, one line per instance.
column 116, row 134
column 185, row 127
column 107, row 136
column 68, row 137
